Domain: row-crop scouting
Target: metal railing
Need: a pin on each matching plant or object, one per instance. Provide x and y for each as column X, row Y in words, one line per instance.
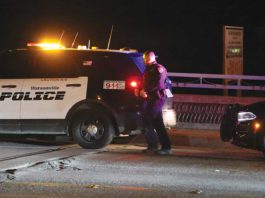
column 208, row 115
column 199, row 113
column 243, row 82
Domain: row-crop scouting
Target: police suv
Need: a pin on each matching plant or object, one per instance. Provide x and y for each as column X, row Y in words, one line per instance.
column 84, row 93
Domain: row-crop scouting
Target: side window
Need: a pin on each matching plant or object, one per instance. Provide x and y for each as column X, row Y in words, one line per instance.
column 106, row 64
column 102, row 62
column 85, row 63
column 15, row 64
column 117, row 65
column 54, row 64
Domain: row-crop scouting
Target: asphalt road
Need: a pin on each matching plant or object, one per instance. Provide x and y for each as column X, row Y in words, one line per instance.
column 39, row 169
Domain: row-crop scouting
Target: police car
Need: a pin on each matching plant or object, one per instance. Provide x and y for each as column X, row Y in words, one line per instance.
column 84, row 93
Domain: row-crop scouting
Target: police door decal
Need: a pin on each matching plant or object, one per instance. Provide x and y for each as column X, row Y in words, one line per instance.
column 10, row 94
column 51, row 98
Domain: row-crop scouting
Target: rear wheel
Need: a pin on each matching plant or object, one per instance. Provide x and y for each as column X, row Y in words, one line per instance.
column 92, row 129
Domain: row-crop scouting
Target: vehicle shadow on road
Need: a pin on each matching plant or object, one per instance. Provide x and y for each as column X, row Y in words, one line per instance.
column 37, row 140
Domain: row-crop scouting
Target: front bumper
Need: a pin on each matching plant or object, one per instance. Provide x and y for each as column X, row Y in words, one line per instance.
column 248, row 135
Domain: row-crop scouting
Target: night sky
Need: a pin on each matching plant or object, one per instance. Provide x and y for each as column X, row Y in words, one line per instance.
column 185, row 34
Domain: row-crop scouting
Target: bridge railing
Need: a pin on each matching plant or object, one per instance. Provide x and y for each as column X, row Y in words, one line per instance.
column 243, row 82
column 195, row 111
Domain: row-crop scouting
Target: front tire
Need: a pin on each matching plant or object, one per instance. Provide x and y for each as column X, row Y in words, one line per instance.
column 260, row 141
column 228, row 123
column 92, row 129
column 226, row 129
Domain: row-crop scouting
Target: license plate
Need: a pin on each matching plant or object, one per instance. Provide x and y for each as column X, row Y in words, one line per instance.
column 114, row 84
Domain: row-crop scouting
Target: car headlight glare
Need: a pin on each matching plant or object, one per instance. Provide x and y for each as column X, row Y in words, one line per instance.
column 245, row 116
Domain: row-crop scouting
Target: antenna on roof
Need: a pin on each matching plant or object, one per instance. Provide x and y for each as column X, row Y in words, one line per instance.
column 59, row 41
column 74, row 40
column 110, row 37
column 88, row 44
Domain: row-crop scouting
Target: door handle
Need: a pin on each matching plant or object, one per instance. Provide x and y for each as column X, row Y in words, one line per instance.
column 9, row 86
column 73, row 85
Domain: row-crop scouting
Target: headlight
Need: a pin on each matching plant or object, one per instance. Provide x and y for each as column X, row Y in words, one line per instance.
column 245, row 116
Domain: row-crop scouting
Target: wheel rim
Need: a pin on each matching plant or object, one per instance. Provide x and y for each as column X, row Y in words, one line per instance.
column 92, row 130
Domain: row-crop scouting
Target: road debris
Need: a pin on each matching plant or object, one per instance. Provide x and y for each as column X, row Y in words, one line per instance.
column 196, row 192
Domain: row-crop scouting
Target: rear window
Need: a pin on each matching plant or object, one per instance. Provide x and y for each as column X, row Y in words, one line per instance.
column 119, row 63
column 138, row 61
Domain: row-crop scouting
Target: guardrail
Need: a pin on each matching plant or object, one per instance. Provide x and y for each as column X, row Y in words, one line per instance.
column 243, row 82
column 205, row 112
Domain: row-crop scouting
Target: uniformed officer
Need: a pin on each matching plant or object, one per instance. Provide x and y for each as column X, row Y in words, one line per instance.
column 153, row 91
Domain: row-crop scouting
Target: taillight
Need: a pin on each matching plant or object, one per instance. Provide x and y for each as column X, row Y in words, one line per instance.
column 134, row 84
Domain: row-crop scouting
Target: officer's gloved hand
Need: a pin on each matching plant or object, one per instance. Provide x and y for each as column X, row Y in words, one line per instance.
column 143, row 94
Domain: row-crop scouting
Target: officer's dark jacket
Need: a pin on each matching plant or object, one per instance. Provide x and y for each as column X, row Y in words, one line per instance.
column 154, row 78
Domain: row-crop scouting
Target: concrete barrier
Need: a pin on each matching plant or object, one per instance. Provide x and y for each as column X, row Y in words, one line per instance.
column 202, row 111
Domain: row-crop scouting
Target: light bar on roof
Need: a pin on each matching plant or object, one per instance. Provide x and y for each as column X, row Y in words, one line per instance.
column 47, row 46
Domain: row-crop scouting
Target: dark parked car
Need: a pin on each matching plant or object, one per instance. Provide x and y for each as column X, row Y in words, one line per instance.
column 243, row 125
